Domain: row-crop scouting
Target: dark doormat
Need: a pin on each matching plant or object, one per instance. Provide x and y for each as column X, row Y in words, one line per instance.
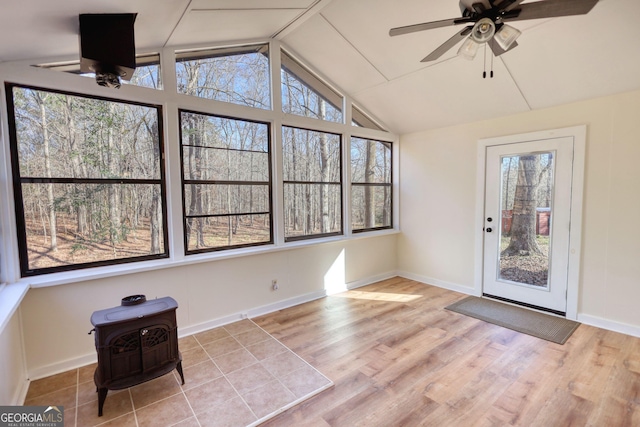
column 544, row 326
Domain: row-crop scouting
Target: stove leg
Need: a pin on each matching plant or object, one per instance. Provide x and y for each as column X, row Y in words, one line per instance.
column 102, row 395
column 179, row 368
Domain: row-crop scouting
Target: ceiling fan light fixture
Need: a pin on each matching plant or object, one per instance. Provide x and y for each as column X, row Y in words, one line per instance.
column 483, row 30
column 506, row 35
column 468, row 49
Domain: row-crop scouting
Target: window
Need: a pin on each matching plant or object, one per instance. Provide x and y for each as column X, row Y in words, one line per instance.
column 370, row 184
column 226, row 176
column 147, row 73
column 88, row 168
column 88, row 180
column 312, row 183
column 306, row 95
column 236, row 75
column 360, row 119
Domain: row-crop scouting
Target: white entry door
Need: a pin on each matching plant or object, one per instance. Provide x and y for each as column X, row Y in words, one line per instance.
column 527, row 222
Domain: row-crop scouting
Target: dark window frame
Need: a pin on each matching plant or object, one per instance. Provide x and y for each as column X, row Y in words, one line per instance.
column 339, row 183
column 18, row 180
column 375, row 184
column 185, row 182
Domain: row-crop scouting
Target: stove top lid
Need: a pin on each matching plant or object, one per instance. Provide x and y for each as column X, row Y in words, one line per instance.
column 124, row 313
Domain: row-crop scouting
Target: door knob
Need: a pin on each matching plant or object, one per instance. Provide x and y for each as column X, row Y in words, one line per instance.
column 489, row 230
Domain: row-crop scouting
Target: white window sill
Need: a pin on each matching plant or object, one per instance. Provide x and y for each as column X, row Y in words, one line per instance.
column 10, row 298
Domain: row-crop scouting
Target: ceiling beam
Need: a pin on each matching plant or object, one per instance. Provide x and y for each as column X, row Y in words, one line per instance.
column 310, row 12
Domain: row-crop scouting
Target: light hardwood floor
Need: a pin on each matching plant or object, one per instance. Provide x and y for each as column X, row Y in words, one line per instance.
column 398, row 358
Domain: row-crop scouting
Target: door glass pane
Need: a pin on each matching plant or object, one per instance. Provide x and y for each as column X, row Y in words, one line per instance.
column 525, row 223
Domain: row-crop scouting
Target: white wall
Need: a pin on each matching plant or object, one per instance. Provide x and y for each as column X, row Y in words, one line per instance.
column 56, row 318
column 13, row 383
column 437, row 203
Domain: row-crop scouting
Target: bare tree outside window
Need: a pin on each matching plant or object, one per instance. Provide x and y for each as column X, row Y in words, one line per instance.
column 527, row 188
column 370, row 184
column 89, row 180
column 147, row 75
column 312, row 184
column 238, row 75
column 303, row 94
column 226, row 175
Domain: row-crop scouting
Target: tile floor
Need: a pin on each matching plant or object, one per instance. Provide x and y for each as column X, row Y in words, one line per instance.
column 235, row 375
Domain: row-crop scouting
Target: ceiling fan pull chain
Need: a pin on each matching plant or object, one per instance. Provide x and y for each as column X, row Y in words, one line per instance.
column 484, row 68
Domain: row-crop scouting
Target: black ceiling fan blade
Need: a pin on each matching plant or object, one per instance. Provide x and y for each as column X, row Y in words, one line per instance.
column 427, row 26
column 444, row 47
column 497, row 49
column 508, row 5
column 550, row 9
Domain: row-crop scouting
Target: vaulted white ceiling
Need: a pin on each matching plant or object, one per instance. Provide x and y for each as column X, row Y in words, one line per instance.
column 558, row 60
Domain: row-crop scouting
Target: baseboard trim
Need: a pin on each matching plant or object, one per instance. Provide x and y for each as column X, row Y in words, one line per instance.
column 373, row 279
column 439, row 283
column 281, row 305
column 210, row 324
column 609, row 325
column 66, row 365
column 87, row 359
column 21, row 394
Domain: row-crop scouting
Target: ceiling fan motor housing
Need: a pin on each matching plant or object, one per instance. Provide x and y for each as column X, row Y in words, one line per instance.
column 483, row 30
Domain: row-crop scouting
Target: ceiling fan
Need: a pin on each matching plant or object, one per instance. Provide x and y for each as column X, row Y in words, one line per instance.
column 487, row 19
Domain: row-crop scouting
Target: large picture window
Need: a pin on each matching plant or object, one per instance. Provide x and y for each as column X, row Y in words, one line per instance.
column 226, row 175
column 238, row 75
column 370, row 184
column 312, row 183
column 88, row 180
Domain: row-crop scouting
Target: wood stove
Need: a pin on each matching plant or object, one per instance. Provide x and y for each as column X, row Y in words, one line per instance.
column 135, row 342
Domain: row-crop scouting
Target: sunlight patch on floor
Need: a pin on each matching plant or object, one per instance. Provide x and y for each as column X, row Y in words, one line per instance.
column 379, row 296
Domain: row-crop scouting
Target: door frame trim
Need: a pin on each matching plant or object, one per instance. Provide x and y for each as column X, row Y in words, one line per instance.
column 579, row 134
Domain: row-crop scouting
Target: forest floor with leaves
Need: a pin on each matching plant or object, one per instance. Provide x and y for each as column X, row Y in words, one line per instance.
column 73, row 249
column 530, row 269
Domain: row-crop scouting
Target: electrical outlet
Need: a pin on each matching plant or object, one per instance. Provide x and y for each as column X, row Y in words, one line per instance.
column 274, row 284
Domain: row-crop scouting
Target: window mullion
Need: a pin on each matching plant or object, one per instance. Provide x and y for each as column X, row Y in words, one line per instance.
column 172, row 157
column 174, row 183
column 346, row 183
column 278, row 182
column 276, row 143
column 168, row 70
